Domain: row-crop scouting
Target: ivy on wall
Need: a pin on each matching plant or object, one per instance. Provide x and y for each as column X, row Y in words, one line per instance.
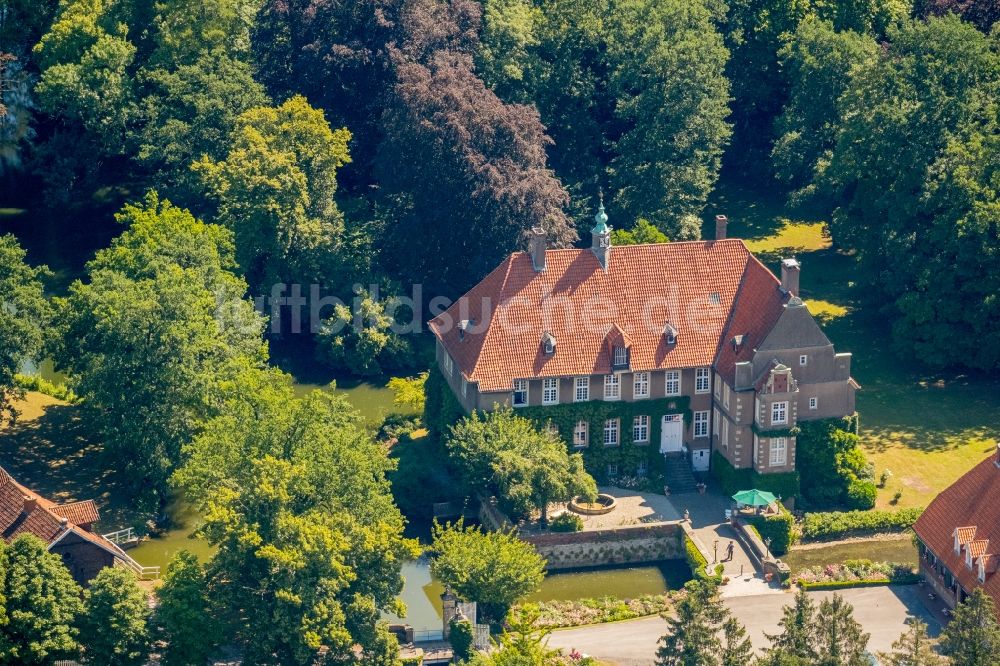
column 441, row 408
column 783, row 484
column 627, row 455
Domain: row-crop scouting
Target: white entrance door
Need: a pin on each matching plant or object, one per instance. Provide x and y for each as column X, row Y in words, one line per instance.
column 699, row 460
column 672, row 434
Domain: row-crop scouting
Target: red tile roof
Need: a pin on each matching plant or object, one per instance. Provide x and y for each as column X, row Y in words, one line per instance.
column 23, row 511
column 971, row 506
column 691, row 285
column 81, row 513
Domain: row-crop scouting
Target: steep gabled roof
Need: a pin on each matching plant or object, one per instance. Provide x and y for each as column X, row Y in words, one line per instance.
column 795, row 327
column 970, row 507
column 23, row 511
column 692, row 285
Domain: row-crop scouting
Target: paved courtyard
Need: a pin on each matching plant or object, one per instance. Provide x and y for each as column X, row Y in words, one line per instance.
column 882, row 611
column 632, row 508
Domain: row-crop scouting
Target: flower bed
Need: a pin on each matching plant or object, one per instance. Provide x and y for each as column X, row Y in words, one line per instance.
column 855, row 573
column 553, row 614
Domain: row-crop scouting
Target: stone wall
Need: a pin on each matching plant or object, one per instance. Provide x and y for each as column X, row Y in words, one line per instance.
column 622, row 545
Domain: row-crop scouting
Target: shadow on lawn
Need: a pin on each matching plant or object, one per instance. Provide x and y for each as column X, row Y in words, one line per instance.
column 55, row 455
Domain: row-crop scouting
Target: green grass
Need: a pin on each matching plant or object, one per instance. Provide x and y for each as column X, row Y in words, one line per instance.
column 927, row 426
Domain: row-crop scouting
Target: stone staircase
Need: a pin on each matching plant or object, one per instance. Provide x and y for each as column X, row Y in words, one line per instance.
column 678, row 475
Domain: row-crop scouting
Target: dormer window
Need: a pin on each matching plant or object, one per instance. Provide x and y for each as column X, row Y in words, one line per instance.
column 670, row 334
column 549, row 344
column 463, row 328
column 714, row 298
column 621, row 357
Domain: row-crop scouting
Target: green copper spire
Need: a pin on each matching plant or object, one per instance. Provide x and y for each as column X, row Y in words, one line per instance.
column 601, row 218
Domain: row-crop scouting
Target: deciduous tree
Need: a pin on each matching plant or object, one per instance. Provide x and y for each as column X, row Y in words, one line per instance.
column 668, row 61
column 114, row 629
column 642, row 232
column 188, row 624
column 42, row 604
column 494, row 569
column 24, row 314
column 159, row 324
column 527, row 468
column 310, row 544
column 916, row 192
column 275, row 189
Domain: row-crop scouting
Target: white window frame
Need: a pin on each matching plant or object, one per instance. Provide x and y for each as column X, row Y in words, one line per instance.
column 550, row 391
column 779, row 412
column 640, row 380
column 803, row 359
column 640, row 429
column 612, row 387
column 813, row 403
column 672, row 377
column 581, row 434
column 552, row 428
column 520, row 386
column 778, row 452
column 725, row 432
column 581, row 389
column 465, row 387
column 642, row 468
column 725, row 395
column 701, row 424
column 702, row 382
column 718, row 387
column 449, row 365
column 621, row 357
column 612, row 470
column 612, row 428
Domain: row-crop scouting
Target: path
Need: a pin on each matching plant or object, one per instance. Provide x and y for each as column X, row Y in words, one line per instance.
column 713, row 534
column 882, row 611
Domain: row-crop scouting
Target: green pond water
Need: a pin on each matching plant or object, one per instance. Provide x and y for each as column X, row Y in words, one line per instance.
column 422, row 593
column 900, row 550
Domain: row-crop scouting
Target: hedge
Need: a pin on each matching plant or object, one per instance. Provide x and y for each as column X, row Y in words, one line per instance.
column 835, row 524
column 461, row 638
column 779, row 528
column 441, row 409
column 732, row 480
column 844, row 584
column 698, row 564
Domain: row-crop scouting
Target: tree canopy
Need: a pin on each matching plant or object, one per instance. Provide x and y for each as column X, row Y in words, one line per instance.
column 310, row 543
column 160, row 323
column 24, row 314
column 527, row 468
column 494, row 569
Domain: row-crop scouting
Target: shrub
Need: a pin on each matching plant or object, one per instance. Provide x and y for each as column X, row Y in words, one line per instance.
column 784, row 485
column 579, row 612
column 861, row 494
column 44, row 386
column 856, row 573
column 779, row 528
column 461, row 638
column 698, row 564
column 836, row 524
column 566, row 522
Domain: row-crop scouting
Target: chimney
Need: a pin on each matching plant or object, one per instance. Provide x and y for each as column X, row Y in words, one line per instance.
column 790, row 276
column 721, row 222
column 30, row 503
column 536, row 246
column 600, row 235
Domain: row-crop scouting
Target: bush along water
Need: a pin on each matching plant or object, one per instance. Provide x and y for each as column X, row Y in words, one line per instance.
column 855, row 573
column 838, row 524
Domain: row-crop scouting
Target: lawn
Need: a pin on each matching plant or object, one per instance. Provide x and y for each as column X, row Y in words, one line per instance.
column 927, row 426
column 48, row 450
